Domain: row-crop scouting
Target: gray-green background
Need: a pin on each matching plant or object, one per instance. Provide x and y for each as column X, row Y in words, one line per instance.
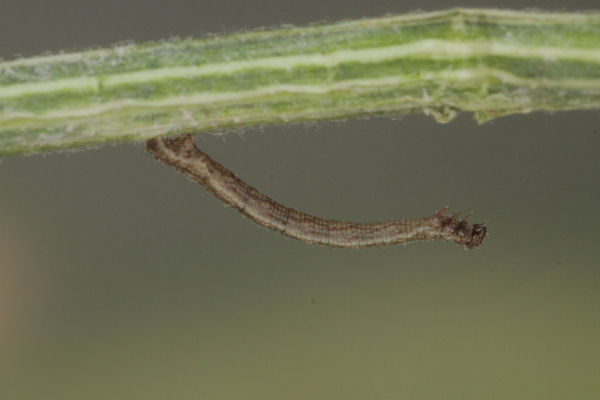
column 120, row 279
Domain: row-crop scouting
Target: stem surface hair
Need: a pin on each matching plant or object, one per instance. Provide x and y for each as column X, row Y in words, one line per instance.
column 489, row 62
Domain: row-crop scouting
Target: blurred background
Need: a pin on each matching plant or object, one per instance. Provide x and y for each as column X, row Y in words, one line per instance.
column 121, row 279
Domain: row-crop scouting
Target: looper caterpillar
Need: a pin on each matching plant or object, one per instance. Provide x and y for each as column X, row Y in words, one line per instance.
column 182, row 153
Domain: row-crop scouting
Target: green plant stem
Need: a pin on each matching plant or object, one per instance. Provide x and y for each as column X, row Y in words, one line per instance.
column 489, row 62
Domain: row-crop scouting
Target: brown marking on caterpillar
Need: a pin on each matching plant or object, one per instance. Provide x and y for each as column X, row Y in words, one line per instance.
column 182, row 153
